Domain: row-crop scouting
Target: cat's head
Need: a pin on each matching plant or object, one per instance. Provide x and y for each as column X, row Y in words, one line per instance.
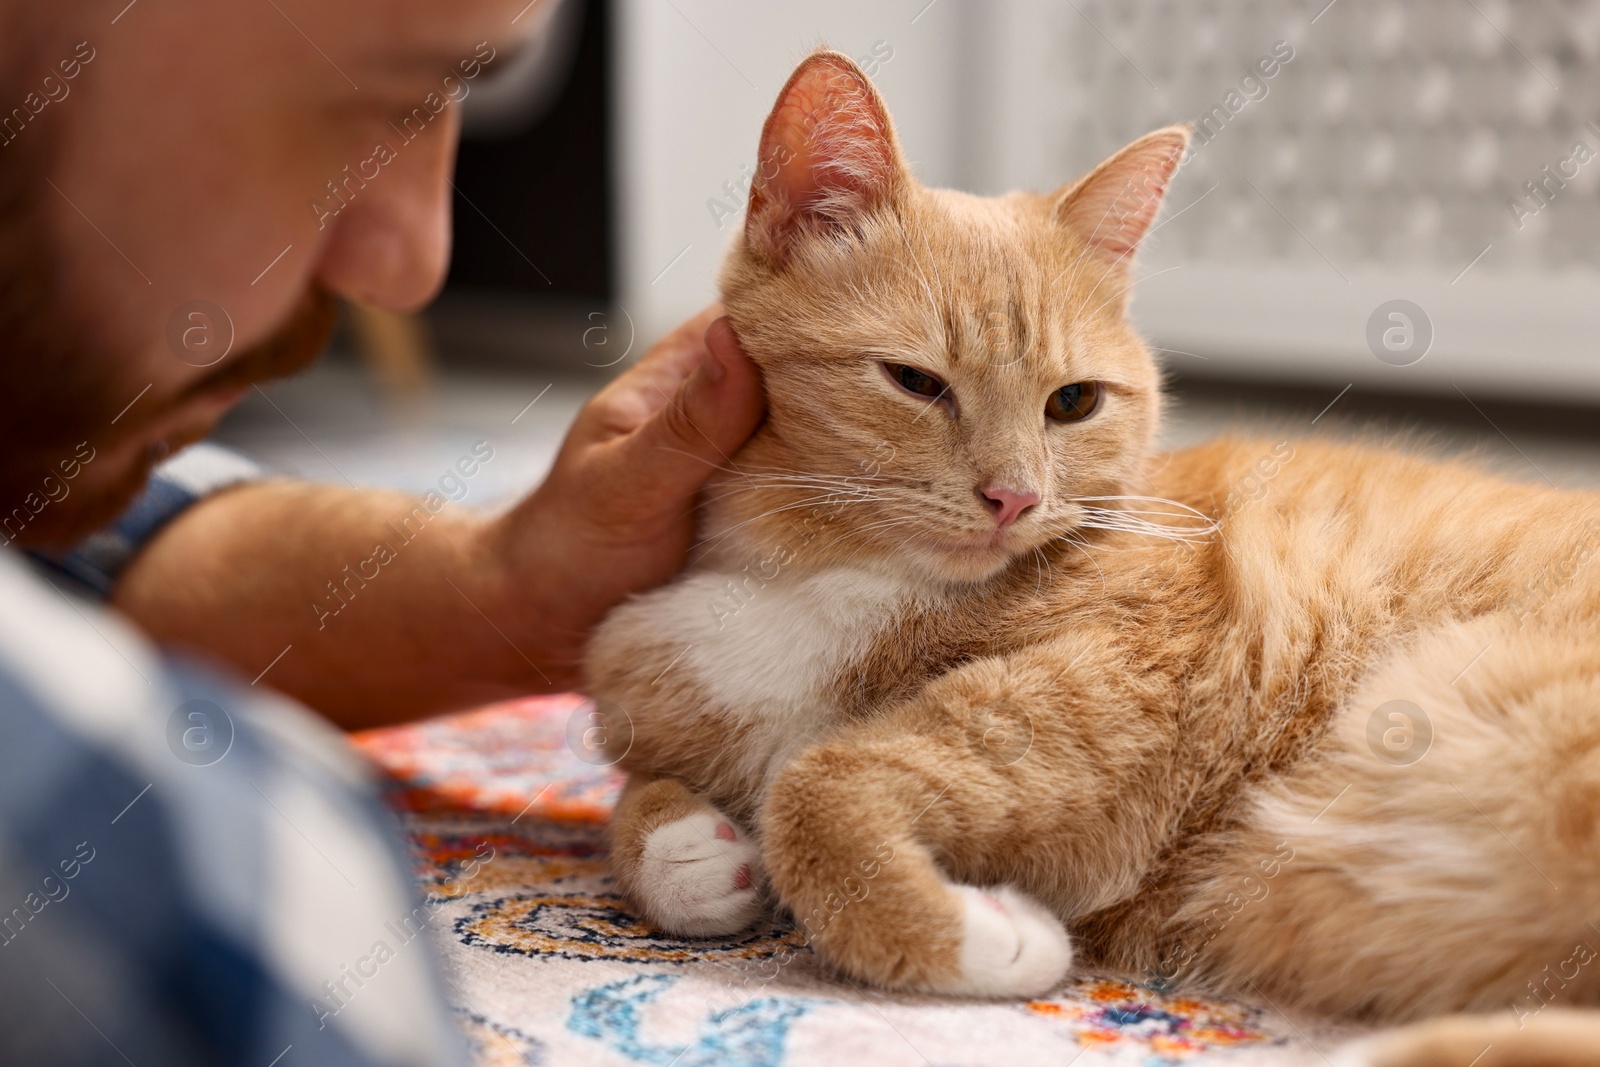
column 952, row 379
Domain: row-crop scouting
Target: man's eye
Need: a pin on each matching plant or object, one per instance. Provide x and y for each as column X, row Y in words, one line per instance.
column 1072, row 403
column 912, row 380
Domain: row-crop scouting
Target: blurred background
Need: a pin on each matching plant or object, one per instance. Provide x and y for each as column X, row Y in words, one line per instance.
column 1390, row 220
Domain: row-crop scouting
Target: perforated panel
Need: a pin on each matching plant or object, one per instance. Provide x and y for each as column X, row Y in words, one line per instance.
column 1445, row 152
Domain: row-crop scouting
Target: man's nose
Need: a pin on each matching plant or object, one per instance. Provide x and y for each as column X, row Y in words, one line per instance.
column 390, row 240
column 1005, row 503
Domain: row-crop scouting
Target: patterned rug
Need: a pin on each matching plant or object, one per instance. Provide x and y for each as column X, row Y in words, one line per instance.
column 549, row 967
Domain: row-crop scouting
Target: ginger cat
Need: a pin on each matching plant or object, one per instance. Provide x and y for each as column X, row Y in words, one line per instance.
column 975, row 683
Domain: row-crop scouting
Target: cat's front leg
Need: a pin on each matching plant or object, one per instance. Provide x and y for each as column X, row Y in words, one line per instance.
column 684, row 865
column 866, row 887
column 939, row 847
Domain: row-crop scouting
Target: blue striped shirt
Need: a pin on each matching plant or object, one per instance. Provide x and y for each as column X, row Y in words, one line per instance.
column 193, row 870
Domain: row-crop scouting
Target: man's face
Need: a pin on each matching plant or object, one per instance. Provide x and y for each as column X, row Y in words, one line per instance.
column 179, row 210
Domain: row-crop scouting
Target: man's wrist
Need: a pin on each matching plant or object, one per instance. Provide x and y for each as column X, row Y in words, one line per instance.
column 519, row 593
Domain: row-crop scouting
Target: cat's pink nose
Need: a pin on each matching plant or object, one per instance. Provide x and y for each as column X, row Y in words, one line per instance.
column 1007, row 504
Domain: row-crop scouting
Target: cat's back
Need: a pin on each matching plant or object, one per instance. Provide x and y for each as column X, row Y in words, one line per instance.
column 1313, row 520
column 1323, row 556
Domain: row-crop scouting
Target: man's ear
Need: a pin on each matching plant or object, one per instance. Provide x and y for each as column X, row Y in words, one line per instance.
column 828, row 157
column 1112, row 208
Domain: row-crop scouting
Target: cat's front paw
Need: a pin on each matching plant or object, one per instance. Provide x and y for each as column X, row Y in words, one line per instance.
column 1011, row 945
column 700, row 876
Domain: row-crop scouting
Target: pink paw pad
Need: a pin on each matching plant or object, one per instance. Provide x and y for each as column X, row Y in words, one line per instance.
column 725, row 832
column 741, row 877
column 993, row 902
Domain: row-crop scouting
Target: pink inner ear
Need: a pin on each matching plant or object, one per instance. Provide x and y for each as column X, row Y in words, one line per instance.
column 1115, row 206
column 1132, row 212
column 826, row 154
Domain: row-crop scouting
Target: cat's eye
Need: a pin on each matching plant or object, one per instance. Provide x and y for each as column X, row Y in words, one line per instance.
column 914, row 381
column 1072, row 403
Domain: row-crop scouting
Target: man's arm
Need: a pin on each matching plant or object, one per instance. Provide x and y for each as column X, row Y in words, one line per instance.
column 450, row 608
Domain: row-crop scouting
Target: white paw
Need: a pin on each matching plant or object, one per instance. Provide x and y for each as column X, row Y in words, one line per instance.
column 1011, row 945
column 700, row 876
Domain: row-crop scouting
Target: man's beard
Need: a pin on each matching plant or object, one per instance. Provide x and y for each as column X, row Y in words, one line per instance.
column 292, row 347
column 65, row 392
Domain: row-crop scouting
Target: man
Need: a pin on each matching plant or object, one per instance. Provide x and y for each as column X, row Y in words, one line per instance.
column 186, row 861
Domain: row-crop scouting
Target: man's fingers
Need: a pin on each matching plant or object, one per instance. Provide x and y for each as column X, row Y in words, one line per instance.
column 713, row 412
column 642, row 390
column 723, row 346
column 675, row 353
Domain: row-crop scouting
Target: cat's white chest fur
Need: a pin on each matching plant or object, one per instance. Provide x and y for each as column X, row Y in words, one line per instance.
column 768, row 653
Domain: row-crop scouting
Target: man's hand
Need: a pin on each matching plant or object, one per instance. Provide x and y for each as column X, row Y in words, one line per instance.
column 616, row 514
column 469, row 609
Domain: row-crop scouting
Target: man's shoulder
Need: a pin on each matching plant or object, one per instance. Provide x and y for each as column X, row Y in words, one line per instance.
column 166, row 823
column 88, row 667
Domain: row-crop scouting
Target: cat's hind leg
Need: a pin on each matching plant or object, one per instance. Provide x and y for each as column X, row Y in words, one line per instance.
column 688, row 868
column 1440, row 853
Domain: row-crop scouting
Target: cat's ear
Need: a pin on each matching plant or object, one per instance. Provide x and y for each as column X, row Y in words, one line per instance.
column 1112, row 208
column 828, row 156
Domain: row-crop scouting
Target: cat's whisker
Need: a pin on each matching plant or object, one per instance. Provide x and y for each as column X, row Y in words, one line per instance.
column 771, row 486
column 1130, row 285
column 789, row 479
column 1073, row 266
column 1152, row 231
column 751, row 471
column 1112, row 206
column 1144, row 529
column 1083, row 546
column 865, row 546
column 1137, row 522
column 849, row 485
column 853, row 485
column 1131, row 511
column 1109, row 271
column 701, row 459
column 922, row 277
column 933, row 260
column 1166, row 537
column 884, row 524
column 785, row 472
column 862, row 531
column 1138, row 515
column 1206, row 521
column 818, row 503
